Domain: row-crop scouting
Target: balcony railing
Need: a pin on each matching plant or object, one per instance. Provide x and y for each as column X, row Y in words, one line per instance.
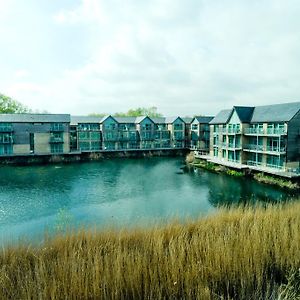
column 236, row 161
column 254, row 147
column 6, row 128
column 269, row 131
column 261, row 148
column 275, row 149
column 254, row 163
column 7, row 140
column 234, row 145
column 54, row 139
column 57, row 128
column 231, row 130
column 276, row 166
column 257, row 131
column 276, row 131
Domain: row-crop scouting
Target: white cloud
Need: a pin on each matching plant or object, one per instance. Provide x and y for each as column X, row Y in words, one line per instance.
column 185, row 57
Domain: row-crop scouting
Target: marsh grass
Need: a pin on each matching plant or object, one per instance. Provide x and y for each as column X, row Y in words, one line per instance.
column 240, row 253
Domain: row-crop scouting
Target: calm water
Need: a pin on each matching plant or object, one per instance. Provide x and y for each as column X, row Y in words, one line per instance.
column 114, row 192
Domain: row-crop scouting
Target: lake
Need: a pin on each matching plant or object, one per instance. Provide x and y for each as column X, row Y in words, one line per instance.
column 117, row 192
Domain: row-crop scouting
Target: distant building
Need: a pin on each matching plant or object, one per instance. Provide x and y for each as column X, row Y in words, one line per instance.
column 29, row 134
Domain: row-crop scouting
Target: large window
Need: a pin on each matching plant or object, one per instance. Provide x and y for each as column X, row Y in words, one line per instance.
column 56, row 148
column 89, row 126
column 6, row 149
column 6, row 138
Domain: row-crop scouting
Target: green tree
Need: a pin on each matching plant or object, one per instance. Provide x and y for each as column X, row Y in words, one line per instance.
column 140, row 111
column 11, row 106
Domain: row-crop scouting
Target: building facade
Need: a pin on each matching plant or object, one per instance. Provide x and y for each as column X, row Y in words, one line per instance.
column 262, row 137
column 34, row 134
column 200, row 134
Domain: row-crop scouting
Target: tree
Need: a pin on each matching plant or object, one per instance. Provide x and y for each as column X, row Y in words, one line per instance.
column 140, row 111
column 11, row 106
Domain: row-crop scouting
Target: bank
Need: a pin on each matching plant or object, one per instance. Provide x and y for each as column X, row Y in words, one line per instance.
column 89, row 156
column 288, row 180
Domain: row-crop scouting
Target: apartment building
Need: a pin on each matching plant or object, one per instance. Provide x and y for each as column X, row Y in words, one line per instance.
column 200, row 134
column 28, row 134
column 261, row 137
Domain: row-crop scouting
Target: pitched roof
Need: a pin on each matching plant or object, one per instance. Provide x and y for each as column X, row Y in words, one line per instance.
column 159, row 120
column 275, row 113
column 171, row 120
column 203, row 119
column 141, row 118
column 35, row 118
column 125, row 119
column 106, row 117
column 244, row 113
column 222, row 117
column 84, row 119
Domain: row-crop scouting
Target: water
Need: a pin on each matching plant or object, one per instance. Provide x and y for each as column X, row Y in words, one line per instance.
column 120, row 192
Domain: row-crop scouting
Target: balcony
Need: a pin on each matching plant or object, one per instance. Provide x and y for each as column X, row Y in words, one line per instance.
column 269, row 131
column 56, row 128
column 276, row 131
column 275, row 149
column 5, row 128
column 276, row 166
column 7, row 140
column 54, row 139
column 234, row 146
column 254, row 147
column 127, row 136
column 254, row 163
column 268, row 149
column 231, row 131
column 254, row 131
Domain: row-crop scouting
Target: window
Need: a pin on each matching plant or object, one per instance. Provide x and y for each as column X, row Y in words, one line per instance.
column 6, row 149
column 216, row 152
column 56, row 148
column 57, row 127
column 224, row 153
column 194, row 127
column 178, row 126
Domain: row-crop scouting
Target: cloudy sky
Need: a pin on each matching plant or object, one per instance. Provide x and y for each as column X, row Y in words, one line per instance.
column 184, row 56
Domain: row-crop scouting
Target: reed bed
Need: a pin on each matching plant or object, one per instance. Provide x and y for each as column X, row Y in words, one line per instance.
column 241, row 253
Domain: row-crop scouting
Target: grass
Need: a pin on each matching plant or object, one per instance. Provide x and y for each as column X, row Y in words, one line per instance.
column 284, row 183
column 241, row 253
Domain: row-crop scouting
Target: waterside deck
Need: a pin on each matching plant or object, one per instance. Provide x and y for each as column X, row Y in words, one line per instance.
column 239, row 166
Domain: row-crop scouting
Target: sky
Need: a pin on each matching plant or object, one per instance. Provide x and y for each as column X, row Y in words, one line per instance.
column 186, row 57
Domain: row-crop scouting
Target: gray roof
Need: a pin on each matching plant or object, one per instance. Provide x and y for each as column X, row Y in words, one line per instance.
column 171, row 120
column 159, row 120
column 203, row 119
column 84, row 119
column 222, row 117
column 125, row 119
column 35, row 118
column 275, row 113
column 244, row 113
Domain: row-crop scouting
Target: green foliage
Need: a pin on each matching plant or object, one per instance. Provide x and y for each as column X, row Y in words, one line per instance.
column 97, row 115
column 11, row 106
column 276, row 181
column 234, row 173
column 140, row 111
column 137, row 112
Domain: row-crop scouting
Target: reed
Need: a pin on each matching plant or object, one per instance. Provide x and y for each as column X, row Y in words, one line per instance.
column 240, row 253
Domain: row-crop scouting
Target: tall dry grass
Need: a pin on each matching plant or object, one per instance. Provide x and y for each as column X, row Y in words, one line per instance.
column 236, row 254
